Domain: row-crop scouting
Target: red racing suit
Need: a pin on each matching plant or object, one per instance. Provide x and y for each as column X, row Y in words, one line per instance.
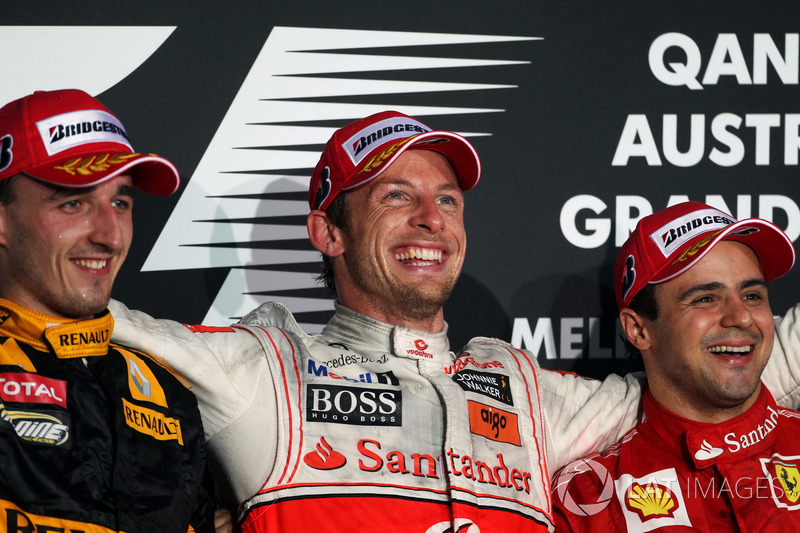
column 373, row 427
column 674, row 474
column 94, row 437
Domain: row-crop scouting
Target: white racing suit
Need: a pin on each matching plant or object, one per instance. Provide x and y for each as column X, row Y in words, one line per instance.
column 373, row 427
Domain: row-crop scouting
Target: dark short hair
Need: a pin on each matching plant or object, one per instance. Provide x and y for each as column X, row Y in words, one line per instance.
column 7, row 190
column 645, row 305
column 338, row 213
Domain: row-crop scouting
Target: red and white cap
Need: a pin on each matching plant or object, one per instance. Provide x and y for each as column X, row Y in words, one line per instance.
column 68, row 138
column 362, row 150
column 666, row 244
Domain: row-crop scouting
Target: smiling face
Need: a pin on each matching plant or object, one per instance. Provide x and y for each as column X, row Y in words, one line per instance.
column 61, row 248
column 404, row 247
column 705, row 351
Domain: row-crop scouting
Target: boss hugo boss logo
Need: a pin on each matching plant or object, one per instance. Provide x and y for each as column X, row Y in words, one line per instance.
column 353, row 405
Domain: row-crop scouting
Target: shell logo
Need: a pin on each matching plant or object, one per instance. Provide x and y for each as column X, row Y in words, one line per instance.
column 651, row 500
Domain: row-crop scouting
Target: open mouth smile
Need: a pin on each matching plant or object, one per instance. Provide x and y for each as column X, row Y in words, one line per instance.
column 420, row 257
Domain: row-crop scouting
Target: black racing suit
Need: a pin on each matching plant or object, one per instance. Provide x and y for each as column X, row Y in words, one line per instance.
column 94, row 437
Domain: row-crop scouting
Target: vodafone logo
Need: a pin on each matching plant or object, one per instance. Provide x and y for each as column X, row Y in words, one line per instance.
column 324, row 457
column 420, row 346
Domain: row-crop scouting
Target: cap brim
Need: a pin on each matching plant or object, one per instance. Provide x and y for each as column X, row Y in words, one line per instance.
column 151, row 173
column 771, row 245
column 458, row 151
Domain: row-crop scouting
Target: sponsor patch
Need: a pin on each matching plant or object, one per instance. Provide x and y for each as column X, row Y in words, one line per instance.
column 354, row 405
column 352, row 359
column 65, row 131
column 492, row 472
column 17, row 520
column 678, row 232
column 359, row 145
column 495, row 386
column 784, row 475
column 465, row 359
column 152, row 423
column 320, row 370
column 492, row 423
column 652, row 501
column 142, row 383
column 47, row 429
column 324, row 457
column 32, row 388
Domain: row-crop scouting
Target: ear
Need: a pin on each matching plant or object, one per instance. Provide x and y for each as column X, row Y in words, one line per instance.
column 4, row 226
column 325, row 235
column 636, row 329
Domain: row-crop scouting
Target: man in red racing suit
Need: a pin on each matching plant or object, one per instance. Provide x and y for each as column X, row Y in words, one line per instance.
column 714, row 451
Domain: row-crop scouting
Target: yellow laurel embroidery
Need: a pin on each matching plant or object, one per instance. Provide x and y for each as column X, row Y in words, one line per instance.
column 695, row 247
column 651, row 500
column 85, row 166
column 378, row 159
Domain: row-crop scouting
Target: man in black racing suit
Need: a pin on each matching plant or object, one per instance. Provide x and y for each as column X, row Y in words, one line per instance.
column 94, row 437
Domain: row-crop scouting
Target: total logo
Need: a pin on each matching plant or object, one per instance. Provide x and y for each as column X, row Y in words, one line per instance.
column 32, row 388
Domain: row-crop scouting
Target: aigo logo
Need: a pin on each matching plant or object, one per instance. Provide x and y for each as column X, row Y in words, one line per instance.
column 584, row 466
column 493, row 423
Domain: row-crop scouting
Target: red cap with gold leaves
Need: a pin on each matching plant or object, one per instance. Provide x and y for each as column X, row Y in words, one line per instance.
column 666, row 244
column 362, row 150
column 68, row 138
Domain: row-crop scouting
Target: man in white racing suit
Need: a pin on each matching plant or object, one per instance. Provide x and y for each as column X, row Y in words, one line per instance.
column 374, row 425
